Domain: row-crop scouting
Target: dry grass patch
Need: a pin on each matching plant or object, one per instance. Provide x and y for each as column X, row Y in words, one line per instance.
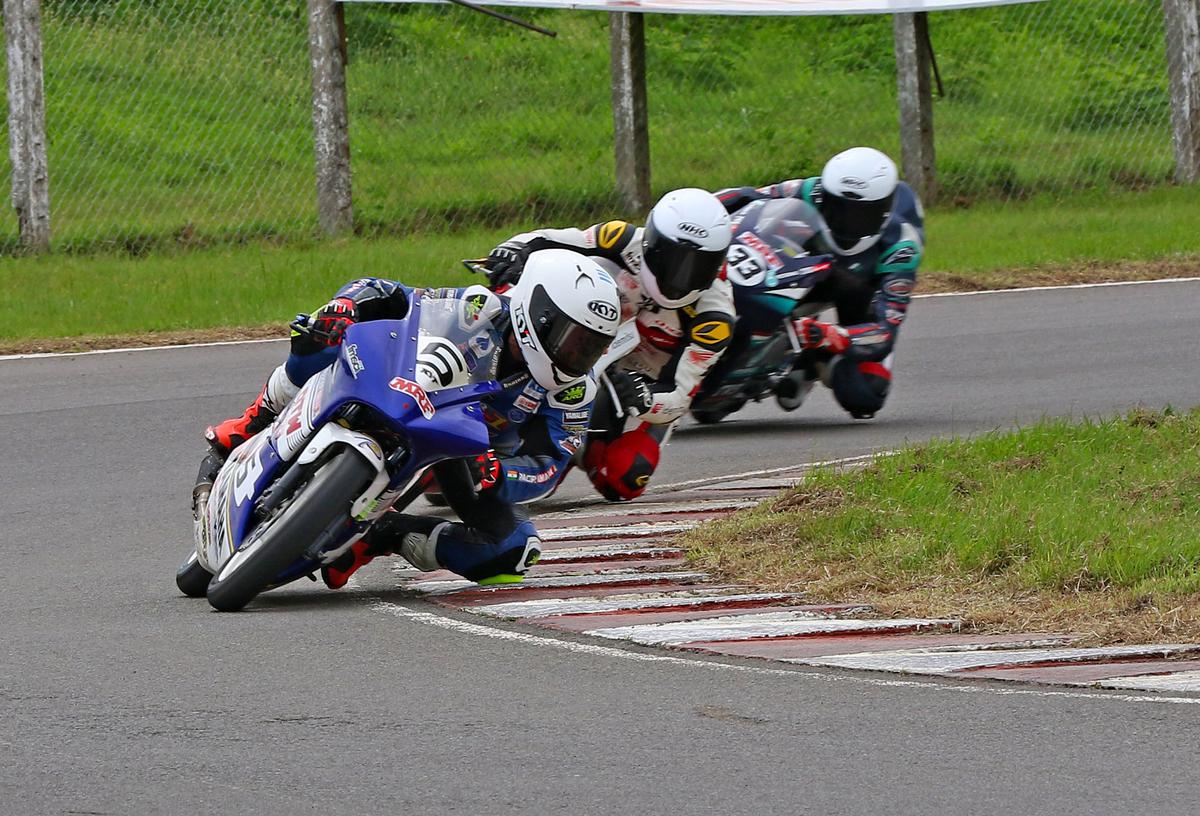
column 1091, row 528
column 92, row 342
column 1187, row 266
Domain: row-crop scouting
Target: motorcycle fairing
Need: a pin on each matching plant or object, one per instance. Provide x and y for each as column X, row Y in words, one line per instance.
column 373, row 355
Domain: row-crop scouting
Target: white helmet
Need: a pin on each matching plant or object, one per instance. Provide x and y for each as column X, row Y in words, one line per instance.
column 565, row 311
column 684, row 245
column 857, row 188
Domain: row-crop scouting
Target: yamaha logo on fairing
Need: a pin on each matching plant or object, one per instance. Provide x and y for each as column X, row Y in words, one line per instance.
column 693, row 229
column 605, row 311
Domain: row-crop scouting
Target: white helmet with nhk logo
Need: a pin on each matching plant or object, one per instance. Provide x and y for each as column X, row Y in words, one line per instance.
column 857, row 189
column 565, row 311
column 683, row 246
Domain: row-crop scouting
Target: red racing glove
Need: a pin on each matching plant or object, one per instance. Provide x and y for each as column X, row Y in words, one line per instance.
column 487, row 470
column 814, row 334
column 330, row 322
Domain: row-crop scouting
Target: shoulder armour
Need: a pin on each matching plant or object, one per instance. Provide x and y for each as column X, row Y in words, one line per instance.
column 712, row 330
column 613, row 236
column 480, row 303
column 576, row 396
column 810, row 190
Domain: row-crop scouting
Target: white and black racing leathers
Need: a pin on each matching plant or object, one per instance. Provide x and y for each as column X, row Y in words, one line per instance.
column 677, row 346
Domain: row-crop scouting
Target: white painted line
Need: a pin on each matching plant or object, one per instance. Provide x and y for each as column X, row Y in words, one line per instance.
column 799, row 469
column 1176, row 681
column 477, row 630
column 550, row 607
column 37, row 355
column 42, row 354
column 651, row 508
column 566, row 581
column 643, row 530
column 766, row 625
column 1051, row 288
column 945, row 661
column 600, row 553
column 764, row 482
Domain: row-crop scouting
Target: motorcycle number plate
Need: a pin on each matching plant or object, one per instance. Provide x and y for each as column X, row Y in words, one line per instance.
column 747, row 266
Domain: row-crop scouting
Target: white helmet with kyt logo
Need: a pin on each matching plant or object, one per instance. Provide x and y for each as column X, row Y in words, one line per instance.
column 565, row 311
column 857, row 188
column 684, row 245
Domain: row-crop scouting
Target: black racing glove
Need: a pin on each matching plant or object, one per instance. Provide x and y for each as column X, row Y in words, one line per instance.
column 505, row 264
column 633, row 391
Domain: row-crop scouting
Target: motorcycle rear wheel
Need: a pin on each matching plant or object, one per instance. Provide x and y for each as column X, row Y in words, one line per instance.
column 318, row 503
column 191, row 578
column 711, row 416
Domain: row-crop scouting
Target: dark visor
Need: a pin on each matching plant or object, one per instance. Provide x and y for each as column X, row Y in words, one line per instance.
column 679, row 267
column 851, row 220
column 571, row 346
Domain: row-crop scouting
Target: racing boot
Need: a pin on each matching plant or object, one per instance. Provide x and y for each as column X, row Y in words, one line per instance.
column 210, row 466
column 410, row 536
column 225, row 436
column 336, row 573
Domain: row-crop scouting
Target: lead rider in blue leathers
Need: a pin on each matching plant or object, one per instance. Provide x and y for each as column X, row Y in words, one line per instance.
column 556, row 323
column 874, row 228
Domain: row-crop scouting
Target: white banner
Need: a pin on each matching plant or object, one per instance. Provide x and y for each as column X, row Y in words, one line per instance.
column 764, row 8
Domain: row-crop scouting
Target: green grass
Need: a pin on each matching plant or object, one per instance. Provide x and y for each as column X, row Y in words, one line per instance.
column 259, row 283
column 1062, row 515
column 181, row 122
column 66, row 296
column 1101, row 227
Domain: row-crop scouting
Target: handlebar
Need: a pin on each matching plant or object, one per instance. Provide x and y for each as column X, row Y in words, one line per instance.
column 476, row 265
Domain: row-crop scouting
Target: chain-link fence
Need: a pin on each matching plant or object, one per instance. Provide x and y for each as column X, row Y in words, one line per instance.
column 189, row 120
column 181, row 121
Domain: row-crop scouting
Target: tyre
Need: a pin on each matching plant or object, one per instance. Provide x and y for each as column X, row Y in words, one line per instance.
column 191, row 578
column 711, row 416
column 316, row 505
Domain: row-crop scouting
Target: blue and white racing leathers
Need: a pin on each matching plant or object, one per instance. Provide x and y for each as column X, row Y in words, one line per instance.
column 533, row 431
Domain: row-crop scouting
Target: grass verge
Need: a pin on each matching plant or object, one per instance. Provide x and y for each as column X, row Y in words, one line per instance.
column 113, row 299
column 1088, row 528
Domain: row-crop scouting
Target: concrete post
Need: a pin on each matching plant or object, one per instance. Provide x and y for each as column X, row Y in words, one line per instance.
column 915, row 95
column 331, row 121
column 631, row 133
column 1180, row 18
column 27, row 122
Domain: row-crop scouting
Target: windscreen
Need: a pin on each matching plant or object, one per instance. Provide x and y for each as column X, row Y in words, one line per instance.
column 457, row 344
column 785, row 224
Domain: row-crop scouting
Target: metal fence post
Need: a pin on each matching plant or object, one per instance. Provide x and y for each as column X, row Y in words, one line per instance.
column 27, row 121
column 1180, row 17
column 331, row 122
column 631, row 134
column 915, row 95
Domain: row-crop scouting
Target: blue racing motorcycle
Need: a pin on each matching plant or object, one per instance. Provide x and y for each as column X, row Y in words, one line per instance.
column 402, row 396
column 772, row 275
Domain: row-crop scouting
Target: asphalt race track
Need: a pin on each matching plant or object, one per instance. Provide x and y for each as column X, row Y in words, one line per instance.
column 119, row 696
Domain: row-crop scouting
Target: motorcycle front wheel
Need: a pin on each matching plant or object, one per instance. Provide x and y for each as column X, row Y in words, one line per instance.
column 316, row 505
